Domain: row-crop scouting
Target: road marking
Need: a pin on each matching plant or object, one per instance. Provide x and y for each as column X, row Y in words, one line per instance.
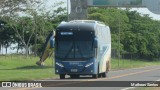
column 113, row 77
column 72, row 82
column 21, row 89
column 128, row 88
column 128, row 74
column 57, row 79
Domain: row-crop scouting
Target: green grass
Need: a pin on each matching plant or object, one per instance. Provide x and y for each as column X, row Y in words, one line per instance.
column 126, row 63
column 19, row 68
column 147, row 88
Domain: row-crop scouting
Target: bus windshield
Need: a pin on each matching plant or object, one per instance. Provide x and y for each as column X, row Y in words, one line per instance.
column 71, row 45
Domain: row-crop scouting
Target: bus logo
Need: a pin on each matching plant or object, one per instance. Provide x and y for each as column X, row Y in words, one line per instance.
column 66, row 33
column 6, row 84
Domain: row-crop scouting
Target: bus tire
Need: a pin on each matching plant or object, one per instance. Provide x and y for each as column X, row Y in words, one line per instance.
column 99, row 75
column 95, row 76
column 104, row 74
column 62, row 76
column 108, row 67
column 77, row 76
column 73, row 76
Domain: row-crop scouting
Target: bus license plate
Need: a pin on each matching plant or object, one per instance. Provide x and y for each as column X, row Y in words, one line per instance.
column 74, row 70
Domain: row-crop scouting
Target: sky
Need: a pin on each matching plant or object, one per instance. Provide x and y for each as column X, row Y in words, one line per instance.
column 146, row 11
column 140, row 10
column 49, row 3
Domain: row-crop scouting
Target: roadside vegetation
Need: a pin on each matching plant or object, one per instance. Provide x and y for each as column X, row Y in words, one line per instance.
column 148, row 88
column 20, row 68
column 134, row 35
column 117, row 64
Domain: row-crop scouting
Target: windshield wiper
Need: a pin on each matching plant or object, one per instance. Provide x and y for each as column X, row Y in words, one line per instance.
column 69, row 51
column 79, row 50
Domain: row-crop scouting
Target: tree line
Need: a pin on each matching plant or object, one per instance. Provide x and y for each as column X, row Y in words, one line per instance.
column 27, row 23
column 134, row 35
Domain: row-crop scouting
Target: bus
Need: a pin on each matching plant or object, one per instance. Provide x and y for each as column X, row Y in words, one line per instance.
column 82, row 47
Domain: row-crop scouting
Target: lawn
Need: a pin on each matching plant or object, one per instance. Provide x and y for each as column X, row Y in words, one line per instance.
column 19, row 68
column 147, row 88
column 126, row 63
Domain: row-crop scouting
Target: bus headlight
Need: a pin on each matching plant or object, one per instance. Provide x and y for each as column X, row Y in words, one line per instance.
column 59, row 64
column 89, row 64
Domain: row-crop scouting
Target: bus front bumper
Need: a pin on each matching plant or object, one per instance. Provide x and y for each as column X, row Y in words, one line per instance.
column 85, row 68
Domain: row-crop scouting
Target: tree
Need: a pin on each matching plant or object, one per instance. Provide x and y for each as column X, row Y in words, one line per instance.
column 25, row 26
column 6, row 35
column 146, row 35
column 139, row 34
column 49, row 21
column 31, row 21
column 116, row 19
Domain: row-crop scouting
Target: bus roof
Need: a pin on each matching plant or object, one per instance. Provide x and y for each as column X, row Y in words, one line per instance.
column 88, row 25
column 87, row 21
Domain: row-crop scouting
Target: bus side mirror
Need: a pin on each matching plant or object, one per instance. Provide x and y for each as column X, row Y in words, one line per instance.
column 52, row 41
column 95, row 44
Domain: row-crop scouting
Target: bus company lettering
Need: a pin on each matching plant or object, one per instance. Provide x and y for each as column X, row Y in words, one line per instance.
column 15, row 84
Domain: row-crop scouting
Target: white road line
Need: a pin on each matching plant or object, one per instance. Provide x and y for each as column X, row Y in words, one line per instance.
column 128, row 88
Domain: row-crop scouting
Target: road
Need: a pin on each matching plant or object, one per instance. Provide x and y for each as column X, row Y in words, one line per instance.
column 150, row 73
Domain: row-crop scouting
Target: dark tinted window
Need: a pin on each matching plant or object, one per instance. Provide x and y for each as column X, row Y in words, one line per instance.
column 84, row 36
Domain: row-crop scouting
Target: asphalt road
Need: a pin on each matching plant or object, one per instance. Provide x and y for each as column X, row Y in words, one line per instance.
column 119, row 80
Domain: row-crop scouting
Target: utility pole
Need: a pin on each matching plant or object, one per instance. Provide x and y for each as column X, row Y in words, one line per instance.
column 78, row 9
column 67, row 10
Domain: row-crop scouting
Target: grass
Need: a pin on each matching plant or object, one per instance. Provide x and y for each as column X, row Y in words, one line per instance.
column 148, row 88
column 126, row 63
column 19, row 68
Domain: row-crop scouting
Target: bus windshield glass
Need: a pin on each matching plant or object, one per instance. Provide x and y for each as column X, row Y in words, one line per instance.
column 77, row 44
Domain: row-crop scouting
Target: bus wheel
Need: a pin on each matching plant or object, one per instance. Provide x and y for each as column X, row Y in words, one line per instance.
column 108, row 67
column 104, row 74
column 74, row 76
column 99, row 75
column 107, row 70
column 77, row 76
column 95, row 76
column 62, row 76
